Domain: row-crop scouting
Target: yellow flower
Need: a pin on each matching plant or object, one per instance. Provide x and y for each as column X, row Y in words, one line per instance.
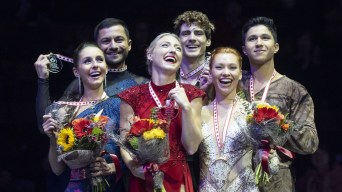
column 66, row 139
column 156, row 133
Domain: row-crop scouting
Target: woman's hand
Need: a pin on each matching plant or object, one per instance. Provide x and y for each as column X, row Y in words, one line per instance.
column 42, row 66
column 50, row 126
column 101, row 168
column 178, row 94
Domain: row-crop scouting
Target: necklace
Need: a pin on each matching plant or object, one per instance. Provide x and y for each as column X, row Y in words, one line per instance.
column 225, row 126
column 122, row 69
column 251, row 87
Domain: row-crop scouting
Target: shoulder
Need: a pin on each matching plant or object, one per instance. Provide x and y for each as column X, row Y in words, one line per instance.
column 193, row 92
column 192, row 89
column 132, row 91
column 138, row 79
column 292, row 86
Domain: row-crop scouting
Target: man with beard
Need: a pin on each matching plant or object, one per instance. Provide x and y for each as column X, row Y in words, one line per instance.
column 112, row 36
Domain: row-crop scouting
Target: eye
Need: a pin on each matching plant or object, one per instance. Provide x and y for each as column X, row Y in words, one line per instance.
column 185, row 33
column 119, row 39
column 252, row 38
column 266, row 37
column 105, row 41
column 179, row 49
column 199, row 33
column 99, row 59
column 165, row 45
column 218, row 67
column 87, row 61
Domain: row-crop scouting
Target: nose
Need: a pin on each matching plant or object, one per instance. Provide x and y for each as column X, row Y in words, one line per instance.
column 258, row 41
column 113, row 44
column 225, row 71
column 172, row 49
column 95, row 64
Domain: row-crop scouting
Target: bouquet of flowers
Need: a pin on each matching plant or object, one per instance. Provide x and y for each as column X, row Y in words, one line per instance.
column 147, row 142
column 268, row 129
column 81, row 141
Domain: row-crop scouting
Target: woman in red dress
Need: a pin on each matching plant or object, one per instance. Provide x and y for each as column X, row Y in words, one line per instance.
column 164, row 56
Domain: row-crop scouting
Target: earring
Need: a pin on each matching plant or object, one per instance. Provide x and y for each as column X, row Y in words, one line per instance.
column 79, row 85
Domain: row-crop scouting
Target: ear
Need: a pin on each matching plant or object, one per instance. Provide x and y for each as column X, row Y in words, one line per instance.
column 75, row 71
column 149, row 56
column 276, row 48
column 208, row 42
column 244, row 50
column 129, row 45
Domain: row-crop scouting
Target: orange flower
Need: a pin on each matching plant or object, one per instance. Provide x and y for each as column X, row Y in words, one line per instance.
column 285, row 127
column 81, row 127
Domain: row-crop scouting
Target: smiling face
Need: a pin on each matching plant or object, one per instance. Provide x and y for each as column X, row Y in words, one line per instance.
column 165, row 54
column 259, row 45
column 194, row 40
column 225, row 73
column 115, row 44
column 91, row 67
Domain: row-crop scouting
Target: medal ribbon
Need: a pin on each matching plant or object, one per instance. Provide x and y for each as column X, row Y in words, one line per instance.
column 155, row 97
column 193, row 72
column 82, row 103
column 70, row 60
column 251, row 87
column 226, row 123
column 64, row 58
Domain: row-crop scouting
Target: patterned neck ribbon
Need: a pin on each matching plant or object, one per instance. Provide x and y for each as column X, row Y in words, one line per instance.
column 226, row 123
column 251, row 87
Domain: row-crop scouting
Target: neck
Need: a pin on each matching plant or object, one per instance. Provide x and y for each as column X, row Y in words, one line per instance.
column 116, row 66
column 93, row 94
column 225, row 100
column 189, row 64
column 162, row 79
column 262, row 73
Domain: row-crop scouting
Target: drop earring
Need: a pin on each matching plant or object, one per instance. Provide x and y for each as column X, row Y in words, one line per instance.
column 79, row 85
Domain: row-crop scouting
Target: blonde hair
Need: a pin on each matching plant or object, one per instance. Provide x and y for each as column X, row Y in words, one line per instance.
column 153, row 44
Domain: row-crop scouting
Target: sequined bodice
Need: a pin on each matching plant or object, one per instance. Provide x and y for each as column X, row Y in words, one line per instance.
column 229, row 169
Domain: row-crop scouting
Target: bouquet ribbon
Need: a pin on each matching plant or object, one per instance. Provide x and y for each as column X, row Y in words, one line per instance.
column 116, row 162
column 266, row 153
column 150, row 169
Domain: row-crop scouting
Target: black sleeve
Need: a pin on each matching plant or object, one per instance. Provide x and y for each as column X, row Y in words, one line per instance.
column 42, row 101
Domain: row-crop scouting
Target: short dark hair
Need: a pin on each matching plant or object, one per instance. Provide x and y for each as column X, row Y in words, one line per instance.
column 267, row 22
column 109, row 22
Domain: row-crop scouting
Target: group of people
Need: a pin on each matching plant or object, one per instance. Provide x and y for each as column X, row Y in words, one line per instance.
column 208, row 148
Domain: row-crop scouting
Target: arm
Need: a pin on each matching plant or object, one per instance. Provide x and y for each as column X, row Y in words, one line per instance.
column 191, row 119
column 126, row 114
column 43, row 95
column 49, row 126
column 303, row 139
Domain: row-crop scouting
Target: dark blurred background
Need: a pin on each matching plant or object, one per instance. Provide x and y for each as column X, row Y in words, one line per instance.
column 309, row 34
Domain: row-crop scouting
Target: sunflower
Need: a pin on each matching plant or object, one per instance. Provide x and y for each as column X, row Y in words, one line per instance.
column 66, row 139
